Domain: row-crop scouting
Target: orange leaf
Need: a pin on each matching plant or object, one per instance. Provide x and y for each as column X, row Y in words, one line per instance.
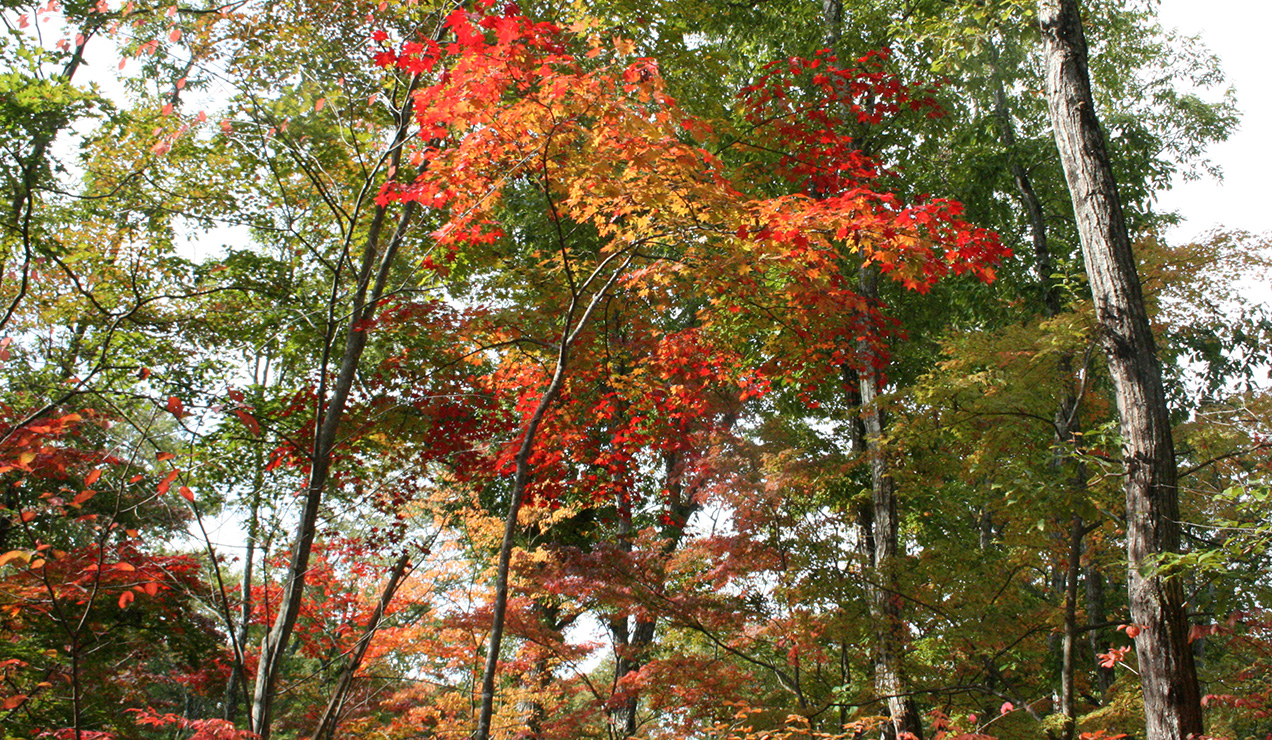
column 14, row 555
column 186, row 493
column 175, row 407
column 166, row 483
column 164, row 456
column 92, row 477
column 13, row 702
column 125, row 599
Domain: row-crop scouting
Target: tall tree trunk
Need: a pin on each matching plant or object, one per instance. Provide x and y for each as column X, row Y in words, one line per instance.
column 1172, row 706
column 879, row 527
column 1077, row 532
column 370, row 286
column 576, row 316
column 1095, row 616
column 891, row 682
column 237, row 677
column 1068, row 428
column 634, row 635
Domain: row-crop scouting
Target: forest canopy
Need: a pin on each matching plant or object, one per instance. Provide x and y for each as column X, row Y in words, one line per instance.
column 616, row 369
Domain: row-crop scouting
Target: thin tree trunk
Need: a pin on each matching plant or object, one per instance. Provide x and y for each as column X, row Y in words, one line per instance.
column 1095, row 616
column 326, row 727
column 366, row 297
column 1067, row 426
column 1043, row 264
column 573, row 323
column 237, row 677
column 879, row 528
column 632, row 642
column 1077, row 533
column 891, row 682
column 1172, row 707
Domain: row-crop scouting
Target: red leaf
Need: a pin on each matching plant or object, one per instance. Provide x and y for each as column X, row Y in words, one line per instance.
column 248, row 421
column 166, row 483
column 186, row 493
column 125, row 599
column 175, row 407
column 164, row 456
column 92, row 477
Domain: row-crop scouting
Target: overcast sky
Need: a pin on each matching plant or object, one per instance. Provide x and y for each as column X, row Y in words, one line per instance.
column 1236, row 30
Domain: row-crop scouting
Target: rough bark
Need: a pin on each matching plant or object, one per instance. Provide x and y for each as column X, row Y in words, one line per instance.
column 891, row 683
column 1171, row 697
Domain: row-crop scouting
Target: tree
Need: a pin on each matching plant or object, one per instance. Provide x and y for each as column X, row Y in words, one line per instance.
column 1172, row 705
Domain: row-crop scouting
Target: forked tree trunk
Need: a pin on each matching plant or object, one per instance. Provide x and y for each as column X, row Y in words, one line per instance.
column 1172, row 706
column 633, row 635
column 372, row 279
column 274, row 646
column 576, row 317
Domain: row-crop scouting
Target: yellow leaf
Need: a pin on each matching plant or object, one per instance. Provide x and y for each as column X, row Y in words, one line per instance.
column 14, row 555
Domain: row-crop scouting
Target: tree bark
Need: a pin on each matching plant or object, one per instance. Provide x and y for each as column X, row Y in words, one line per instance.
column 891, row 683
column 1077, row 533
column 576, row 317
column 1095, row 616
column 635, row 634
column 1172, row 706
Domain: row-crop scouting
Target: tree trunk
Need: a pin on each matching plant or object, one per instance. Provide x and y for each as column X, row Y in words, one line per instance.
column 634, row 635
column 237, row 677
column 1077, row 533
column 1172, row 705
column 1095, row 616
column 331, row 715
column 891, row 683
column 576, row 317
column 367, row 296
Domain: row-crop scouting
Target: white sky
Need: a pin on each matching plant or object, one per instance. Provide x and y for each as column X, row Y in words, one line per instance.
column 1236, row 30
